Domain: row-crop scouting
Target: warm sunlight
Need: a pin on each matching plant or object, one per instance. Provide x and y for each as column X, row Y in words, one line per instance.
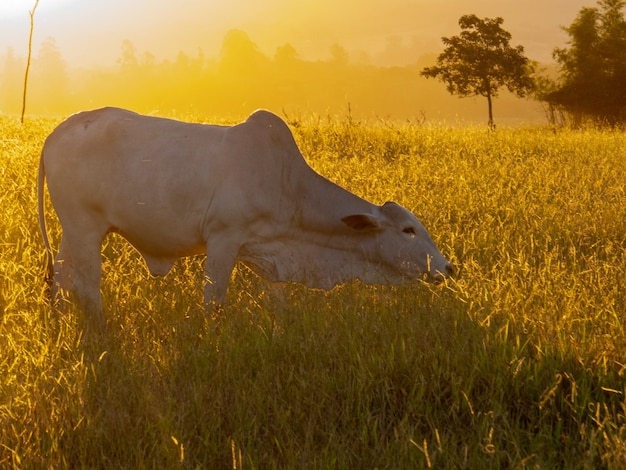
column 15, row 8
column 315, row 163
column 230, row 57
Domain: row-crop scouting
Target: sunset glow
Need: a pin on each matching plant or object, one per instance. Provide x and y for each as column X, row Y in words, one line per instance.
column 16, row 8
column 233, row 56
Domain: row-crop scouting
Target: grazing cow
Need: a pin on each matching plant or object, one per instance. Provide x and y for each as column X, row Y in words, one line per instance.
column 242, row 192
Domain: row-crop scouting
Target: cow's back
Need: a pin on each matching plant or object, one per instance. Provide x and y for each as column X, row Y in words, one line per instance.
column 144, row 176
column 150, row 179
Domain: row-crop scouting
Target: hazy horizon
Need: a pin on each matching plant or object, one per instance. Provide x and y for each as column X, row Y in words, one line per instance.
column 395, row 32
column 82, row 66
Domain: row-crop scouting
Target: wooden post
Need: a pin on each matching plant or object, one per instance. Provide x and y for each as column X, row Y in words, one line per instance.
column 30, row 48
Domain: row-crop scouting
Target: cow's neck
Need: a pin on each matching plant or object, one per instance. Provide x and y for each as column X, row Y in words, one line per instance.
column 321, row 204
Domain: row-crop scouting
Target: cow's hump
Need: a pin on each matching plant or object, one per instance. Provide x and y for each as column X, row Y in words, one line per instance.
column 274, row 126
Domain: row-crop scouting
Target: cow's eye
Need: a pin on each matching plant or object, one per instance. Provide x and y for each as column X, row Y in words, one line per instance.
column 409, row 230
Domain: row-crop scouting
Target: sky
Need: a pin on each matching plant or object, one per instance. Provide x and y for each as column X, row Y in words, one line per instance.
column 389, row 32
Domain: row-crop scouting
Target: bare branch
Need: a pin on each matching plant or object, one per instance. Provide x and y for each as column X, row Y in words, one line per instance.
column 30, row 48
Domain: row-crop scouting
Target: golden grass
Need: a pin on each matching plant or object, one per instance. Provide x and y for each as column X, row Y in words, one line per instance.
column 517, row 363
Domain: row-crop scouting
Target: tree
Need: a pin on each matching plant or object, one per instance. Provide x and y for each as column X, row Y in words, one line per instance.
column 51, row 86
column 128, row 61
column 340, row 56
column 592, row 80
column 286, row 55
column 480, row 61
column 12, row 82
column 240, row 55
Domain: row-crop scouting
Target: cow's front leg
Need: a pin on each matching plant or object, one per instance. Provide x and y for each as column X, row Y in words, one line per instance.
column 218, row 268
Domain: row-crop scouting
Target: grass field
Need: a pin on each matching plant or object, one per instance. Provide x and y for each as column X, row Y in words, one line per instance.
column 519, row 362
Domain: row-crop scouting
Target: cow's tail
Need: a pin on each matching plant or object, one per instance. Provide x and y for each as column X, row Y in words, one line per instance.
column 49, row 268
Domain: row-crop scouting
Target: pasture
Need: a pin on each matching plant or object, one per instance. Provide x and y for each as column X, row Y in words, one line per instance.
column 518, row 362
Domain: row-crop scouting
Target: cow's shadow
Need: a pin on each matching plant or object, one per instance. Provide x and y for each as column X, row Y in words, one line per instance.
column 215, row 391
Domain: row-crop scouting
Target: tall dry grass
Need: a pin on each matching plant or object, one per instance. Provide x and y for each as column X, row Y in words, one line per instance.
column 516, row 363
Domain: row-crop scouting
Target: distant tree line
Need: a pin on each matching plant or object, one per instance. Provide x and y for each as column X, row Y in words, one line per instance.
column 589, row 85
column 239, row 79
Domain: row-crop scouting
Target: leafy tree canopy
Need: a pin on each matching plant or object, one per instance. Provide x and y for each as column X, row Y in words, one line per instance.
column 592, row 81
column 480, row 61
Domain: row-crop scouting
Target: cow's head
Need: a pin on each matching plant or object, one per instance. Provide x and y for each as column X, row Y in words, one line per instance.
column 400, row 244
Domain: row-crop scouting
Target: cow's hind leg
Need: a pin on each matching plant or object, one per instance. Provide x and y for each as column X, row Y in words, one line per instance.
column 86, row 272
column 62, row 278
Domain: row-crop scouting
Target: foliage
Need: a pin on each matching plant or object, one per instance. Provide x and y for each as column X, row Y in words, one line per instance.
column 593, row 68
column 480, row 61
column 239, row 79
column 517, row 363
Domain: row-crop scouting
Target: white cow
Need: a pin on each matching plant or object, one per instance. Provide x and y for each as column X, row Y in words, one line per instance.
column 242, row 192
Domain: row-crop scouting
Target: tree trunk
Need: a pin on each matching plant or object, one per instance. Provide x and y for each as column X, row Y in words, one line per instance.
column 491, row 124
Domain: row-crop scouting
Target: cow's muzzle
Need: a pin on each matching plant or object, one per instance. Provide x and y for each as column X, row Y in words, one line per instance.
column 439, row 276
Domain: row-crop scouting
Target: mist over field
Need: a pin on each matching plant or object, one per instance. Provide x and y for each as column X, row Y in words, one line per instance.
column 231, row 58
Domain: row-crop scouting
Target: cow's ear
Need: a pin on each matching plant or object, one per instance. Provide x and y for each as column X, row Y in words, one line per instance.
column 360, row 222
